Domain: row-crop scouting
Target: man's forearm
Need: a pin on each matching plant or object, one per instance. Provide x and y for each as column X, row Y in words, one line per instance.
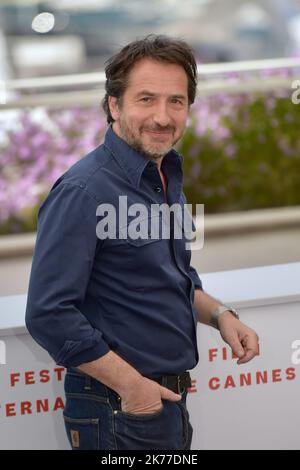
column 242, row 339
column 113, row 371
column 204, row 305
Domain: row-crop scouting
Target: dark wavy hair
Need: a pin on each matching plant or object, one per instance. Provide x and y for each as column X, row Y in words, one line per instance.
column 157, row 47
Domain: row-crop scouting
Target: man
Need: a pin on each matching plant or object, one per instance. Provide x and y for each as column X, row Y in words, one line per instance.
column 120, row 313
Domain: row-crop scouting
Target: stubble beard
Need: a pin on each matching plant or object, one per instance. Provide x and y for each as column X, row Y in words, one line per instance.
column 151, row 154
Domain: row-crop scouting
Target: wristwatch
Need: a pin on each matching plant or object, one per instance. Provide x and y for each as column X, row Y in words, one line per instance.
column 214, row 321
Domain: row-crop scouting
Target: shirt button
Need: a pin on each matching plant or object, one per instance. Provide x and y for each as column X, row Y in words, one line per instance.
column 157, row 189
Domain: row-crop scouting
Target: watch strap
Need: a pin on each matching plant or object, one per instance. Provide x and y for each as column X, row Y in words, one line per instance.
column 218, row 311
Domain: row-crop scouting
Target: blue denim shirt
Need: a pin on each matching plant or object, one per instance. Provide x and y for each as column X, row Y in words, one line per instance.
column 88, row 295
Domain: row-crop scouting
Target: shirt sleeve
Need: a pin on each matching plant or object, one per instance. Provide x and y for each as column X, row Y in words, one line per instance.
column 192, row 271
column 61, row 267
column 195, row 278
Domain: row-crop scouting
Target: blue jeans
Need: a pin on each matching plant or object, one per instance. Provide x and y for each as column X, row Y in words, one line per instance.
column 94, row 420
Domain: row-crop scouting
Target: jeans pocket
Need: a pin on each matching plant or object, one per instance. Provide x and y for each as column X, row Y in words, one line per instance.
column 141, row 416
column 83, row 434
column 153, row 431
column 185, row 424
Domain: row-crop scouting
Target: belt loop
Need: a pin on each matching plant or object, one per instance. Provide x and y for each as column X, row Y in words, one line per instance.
column 88, row 385
column 164, row 381
column 178, row 385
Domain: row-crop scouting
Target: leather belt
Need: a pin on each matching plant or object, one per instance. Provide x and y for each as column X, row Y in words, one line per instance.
column 176, row 383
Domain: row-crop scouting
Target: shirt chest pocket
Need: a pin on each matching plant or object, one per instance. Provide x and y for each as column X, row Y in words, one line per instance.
column 141, row 232
column 145, row 251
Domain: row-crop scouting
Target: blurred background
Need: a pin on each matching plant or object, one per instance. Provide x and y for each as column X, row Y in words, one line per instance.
column 241, row 149
column 72, row 36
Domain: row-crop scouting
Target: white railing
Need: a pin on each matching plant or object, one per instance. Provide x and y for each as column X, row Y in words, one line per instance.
column 54, row 92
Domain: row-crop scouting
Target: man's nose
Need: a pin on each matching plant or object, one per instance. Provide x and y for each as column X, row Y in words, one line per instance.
column 161, row 115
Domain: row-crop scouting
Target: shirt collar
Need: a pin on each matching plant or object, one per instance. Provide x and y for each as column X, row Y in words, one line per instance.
column 133, row 162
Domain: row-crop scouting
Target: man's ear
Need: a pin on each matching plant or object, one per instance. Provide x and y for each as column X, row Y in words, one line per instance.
column 114, row 107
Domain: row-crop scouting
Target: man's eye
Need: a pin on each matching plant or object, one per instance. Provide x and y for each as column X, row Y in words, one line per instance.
column 146, row 99
column 176, row 101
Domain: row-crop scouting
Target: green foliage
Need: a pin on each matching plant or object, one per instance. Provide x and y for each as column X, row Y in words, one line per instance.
column 249, row 159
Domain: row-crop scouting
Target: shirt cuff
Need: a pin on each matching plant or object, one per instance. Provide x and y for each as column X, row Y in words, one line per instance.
column 75, row 353
column 195, row 278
